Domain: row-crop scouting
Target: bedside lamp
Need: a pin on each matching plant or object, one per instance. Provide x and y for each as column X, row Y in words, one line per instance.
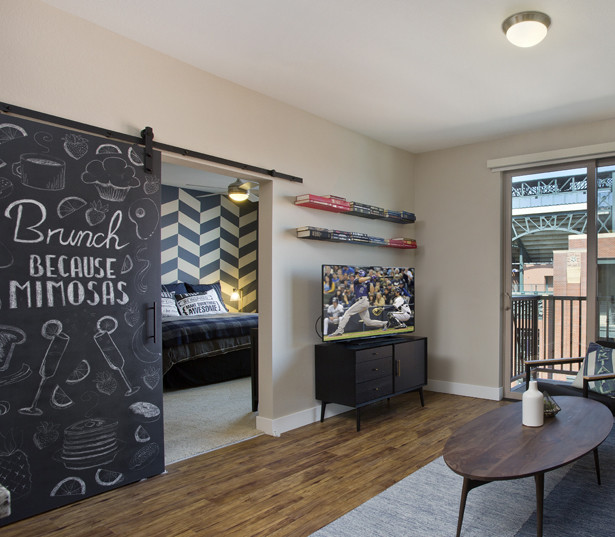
column 236, row 297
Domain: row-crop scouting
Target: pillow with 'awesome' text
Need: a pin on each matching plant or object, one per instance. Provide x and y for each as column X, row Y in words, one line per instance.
column 199, row 303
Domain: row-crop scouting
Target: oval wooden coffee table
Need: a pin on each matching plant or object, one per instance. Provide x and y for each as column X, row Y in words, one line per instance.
column 496, row 446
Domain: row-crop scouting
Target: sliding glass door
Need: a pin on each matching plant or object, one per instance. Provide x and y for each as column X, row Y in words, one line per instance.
column 550, row 298
column 605, row 230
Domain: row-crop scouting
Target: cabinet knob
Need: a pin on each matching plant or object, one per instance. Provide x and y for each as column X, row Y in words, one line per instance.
column 375, row 369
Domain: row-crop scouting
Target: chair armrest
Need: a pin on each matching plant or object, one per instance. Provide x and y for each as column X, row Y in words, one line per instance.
column 592, row 378
column 554, row 361
column 529, row 364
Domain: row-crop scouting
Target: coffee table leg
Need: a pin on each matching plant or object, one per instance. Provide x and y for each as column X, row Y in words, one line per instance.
column 540, row 494
column 468, row 485
column 597, row 464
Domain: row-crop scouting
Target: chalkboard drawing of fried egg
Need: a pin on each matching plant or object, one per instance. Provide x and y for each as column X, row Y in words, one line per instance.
column 145, row 216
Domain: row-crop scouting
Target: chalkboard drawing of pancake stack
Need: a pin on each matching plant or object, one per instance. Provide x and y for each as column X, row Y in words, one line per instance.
column 52, row 330
column 112, row 177
column 88, row 443
column 106, row 326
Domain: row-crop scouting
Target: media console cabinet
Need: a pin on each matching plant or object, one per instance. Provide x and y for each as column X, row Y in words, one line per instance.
column 356, row 374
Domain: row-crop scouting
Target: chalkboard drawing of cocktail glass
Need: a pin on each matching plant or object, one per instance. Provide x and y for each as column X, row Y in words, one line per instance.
column 52, row 330
column 106, row 326
column 9, row 337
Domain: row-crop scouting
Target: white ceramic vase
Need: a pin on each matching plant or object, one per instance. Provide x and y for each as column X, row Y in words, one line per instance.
column 532, row 406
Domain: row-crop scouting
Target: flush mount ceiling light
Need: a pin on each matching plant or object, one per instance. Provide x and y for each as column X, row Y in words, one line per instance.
column 239, row 190
column 527, row 28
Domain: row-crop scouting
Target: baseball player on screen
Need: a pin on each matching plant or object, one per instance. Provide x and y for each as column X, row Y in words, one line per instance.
column 401, row 314
column 334, row 312
column 360, row 306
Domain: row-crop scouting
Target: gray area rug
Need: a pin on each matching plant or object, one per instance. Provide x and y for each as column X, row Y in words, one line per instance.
column 426, row 504
column 197, row 420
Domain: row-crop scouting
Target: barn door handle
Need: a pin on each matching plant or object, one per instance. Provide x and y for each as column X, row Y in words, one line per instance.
column 155, row 323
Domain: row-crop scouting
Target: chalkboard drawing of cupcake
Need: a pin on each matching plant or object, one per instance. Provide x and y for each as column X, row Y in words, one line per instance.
column 112, row 177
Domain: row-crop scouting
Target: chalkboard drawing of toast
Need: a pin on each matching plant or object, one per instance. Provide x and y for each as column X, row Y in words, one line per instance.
column 51, row 330
column 106, row 326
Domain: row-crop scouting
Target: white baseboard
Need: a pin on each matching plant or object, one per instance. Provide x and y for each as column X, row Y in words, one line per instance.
column 278, row 426
column 467, row 390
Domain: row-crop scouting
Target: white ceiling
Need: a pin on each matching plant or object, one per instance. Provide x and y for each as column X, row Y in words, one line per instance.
column 415, row 74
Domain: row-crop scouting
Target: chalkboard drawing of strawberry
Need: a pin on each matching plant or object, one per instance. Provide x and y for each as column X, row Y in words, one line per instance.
column 96, row 213
column 46, row 434
column 75, row 145
column 131, row 315
column 151, row 185
column 151, row 377
column 15, row 472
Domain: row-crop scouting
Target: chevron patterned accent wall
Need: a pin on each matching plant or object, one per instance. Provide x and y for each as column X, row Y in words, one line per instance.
column 210, row 238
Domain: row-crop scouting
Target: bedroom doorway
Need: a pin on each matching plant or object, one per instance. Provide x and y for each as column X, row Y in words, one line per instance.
column 205, row 239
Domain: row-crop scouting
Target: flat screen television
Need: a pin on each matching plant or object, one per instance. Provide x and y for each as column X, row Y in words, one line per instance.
column 366, row 301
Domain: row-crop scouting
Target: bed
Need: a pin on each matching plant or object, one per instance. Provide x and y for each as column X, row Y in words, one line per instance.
column 203, row 343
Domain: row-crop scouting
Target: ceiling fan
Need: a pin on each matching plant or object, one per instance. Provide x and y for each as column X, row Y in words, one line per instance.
column 239, row 190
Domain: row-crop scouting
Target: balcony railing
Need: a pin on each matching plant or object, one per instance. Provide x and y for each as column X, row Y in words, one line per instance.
column 547, row 326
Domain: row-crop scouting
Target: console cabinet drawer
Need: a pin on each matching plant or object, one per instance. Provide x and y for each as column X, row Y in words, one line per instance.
column 374, row 353
column 373, row 389
column 374, row 369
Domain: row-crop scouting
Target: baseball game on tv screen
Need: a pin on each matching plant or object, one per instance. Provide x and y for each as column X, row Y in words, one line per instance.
column 366, row 301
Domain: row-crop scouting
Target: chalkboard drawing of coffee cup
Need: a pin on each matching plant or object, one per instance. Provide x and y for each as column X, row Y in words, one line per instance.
column 40, row 171
column 106, row 326
column 51, row 330
column 9, row 337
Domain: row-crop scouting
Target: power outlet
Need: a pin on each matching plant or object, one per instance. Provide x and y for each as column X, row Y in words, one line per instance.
column 5, row 502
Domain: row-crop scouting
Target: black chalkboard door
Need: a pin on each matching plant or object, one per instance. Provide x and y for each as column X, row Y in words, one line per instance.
column 80, row 360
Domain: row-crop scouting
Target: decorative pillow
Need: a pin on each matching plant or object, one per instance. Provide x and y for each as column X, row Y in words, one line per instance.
column 176, row 288
column 599, row 360
column 204, row 287
column 199, row 303
column 168, row 306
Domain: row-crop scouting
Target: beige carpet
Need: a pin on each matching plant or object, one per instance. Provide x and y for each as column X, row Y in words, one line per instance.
column 201, row 419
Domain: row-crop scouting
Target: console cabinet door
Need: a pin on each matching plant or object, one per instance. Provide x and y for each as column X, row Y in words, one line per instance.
column 410, row 365
column 80, row 354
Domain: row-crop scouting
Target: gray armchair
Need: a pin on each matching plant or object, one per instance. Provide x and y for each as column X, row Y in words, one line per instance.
column 556, row 387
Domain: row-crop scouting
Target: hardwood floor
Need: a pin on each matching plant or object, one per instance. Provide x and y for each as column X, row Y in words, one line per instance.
column 272, row 487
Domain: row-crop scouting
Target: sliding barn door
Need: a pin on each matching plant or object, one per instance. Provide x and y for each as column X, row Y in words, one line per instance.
column 80, row 362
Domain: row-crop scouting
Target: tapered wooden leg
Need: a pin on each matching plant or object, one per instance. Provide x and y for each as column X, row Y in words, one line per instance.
column 322, row 411
column 540, row 494
column 597, row 464
column 468, row 485
column 421, row 396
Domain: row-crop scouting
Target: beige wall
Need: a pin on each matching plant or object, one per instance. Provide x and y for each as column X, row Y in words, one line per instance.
column 458, row 264
column 61, row 65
